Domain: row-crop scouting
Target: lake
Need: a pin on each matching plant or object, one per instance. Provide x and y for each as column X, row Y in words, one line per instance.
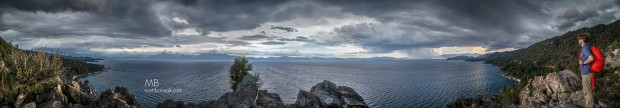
column 382, row 83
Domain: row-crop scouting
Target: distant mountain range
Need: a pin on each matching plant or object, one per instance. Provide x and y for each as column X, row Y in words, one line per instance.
column 221, row 56
column 213, row 55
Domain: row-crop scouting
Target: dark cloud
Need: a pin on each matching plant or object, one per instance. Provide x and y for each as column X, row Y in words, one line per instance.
column 134, row 18
column 273, row 43
column 412, row 26
column 222, row 15
column 437, row 23
column 383, row 39
column 116, row 18
column 55, row 5
column 573, row 16
column 287, row 29
column 310, row 11
column 255, row 37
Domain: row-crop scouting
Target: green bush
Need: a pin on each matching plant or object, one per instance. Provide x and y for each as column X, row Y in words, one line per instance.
column 238, row 70
column 30, row 72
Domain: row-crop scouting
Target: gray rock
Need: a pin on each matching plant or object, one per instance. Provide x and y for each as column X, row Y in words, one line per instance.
column 534, row 93
column 351, row 98
column 119, row 98
column 269, row 100
column 307, row 100
column 75, row 95
column 562, row 85
column 58, row 95
column 612, row 58
column 332, row 96
column 127, row 96
column 328, row 93
column 556, row 90
column 30, row 105
column 246, row 93
column 88, row 89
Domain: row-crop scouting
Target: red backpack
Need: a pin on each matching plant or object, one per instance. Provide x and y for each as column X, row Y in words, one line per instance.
column 597, row 63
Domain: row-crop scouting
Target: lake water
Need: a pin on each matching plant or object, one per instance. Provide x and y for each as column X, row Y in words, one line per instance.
column 382, row 83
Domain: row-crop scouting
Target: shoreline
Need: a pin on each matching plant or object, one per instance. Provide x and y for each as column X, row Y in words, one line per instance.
column 84, row 75
column 509, row 77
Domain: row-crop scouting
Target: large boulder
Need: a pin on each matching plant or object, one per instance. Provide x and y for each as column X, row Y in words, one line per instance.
column 553, row 90
column 612, row 58
column 269, row 100
column 535, row 92
column 350, row 97
column 245, row 95
column 328, row 93
column 307, row 100
column 88, row 89
column 562, row 85
column 332, row 96
column 75, row 95
column 110, row 99
column 127, row 96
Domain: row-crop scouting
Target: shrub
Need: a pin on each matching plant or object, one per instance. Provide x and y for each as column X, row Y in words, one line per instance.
column 31, row 72
column 238, row 70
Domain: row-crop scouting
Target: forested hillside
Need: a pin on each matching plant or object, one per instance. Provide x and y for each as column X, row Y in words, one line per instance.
column 556, row 54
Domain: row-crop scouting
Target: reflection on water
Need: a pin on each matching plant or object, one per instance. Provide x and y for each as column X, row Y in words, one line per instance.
column 389, row 83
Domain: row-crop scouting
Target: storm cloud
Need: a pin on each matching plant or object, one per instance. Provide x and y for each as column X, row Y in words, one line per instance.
column 491, row 23
column 331, row 27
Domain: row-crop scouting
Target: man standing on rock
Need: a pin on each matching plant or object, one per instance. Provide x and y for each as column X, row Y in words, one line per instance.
column 584, row 63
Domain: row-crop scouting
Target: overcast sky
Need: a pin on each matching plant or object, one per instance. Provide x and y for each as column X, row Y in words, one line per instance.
column 411, row 29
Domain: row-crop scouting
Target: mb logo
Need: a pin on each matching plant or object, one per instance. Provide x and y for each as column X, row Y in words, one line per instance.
column 151, row 83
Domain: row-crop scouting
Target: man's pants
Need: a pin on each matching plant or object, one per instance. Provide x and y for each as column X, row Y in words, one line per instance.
column 586, row 81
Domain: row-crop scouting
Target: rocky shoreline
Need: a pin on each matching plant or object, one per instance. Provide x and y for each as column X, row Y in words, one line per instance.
column 323, row 95
column 509, row 77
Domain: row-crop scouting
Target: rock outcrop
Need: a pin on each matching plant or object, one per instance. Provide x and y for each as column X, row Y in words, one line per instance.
column 78, row 94
column 331, row 96
column 560, row 89
column 119, row 98
column 247, row 94
column 612, row 58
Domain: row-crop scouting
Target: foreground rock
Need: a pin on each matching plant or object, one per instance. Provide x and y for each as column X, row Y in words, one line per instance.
column 560, row 89
column 555, row 90
column 330, row 95
column 78, row 95
column 612, row 58
column 247, row 94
